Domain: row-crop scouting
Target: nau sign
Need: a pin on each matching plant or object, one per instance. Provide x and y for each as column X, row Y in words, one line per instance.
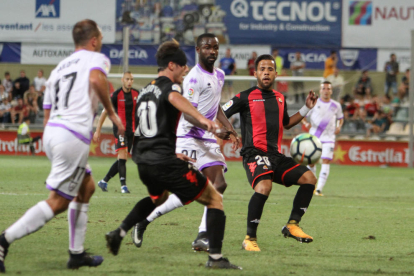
column 47, row 8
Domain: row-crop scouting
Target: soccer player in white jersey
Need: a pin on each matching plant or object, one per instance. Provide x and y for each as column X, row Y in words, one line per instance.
column 71, row 99
column 202, row 87
column 325, row 120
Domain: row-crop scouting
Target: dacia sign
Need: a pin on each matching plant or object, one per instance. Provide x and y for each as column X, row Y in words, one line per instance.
column 284, row 23
column 47, row 9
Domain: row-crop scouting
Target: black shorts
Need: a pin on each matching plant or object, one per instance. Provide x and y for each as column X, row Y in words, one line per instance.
column 177, row 176
column 277, row 167
column 123, row 142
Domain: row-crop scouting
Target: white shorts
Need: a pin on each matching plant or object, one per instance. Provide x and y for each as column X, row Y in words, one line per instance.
column 69, row 157
column 328, row 150
column 206, row 153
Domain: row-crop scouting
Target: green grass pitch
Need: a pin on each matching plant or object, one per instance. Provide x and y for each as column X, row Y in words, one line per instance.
column 363, row 226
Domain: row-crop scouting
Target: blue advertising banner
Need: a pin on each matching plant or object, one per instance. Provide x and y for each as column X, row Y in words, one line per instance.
column 141, row 54
column 10, row 52
column 349, row 59
column 300, row 23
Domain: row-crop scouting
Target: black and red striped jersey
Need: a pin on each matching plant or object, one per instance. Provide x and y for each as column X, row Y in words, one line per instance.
column 124, row 105
column 263, row 114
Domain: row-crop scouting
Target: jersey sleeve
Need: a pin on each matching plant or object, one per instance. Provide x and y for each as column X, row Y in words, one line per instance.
column 339, row 113
column 100, row 62
column 233, row 106
column 286, row 117
column 192, row 90
column 47, row 97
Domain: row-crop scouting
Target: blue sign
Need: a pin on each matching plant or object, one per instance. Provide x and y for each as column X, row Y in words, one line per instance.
column 348, row 59
column 47, row 9
column 300, row 23
column 142, row 54
column 10, row 52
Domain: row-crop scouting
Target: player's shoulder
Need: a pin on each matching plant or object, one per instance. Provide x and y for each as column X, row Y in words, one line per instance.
column 219, row 71
column 167, row 85
column 338, row 105
column 195, row 76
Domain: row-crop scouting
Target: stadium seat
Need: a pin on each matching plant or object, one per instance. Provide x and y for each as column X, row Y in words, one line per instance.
column 390, row 138
column 374, row 138
column 359, row 137
column 396, row 128
column 401, row 115
column 407, row 129
column 343, row 137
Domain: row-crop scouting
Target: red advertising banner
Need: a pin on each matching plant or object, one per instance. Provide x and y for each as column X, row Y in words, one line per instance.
column 361, row 153
column 365, row 153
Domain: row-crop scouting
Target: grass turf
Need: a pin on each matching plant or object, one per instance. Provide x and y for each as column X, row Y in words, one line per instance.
column 363, row 226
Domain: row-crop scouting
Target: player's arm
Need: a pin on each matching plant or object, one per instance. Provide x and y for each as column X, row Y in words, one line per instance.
column 298, row 116
column 305, row 123
column 222, row 118
column 99, row 84
column 183, row 105
column 97, row 134
column 339, row 124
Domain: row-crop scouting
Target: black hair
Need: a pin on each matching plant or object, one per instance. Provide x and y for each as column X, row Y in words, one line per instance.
column 326, row 82
column 205, row 35
column 170, row 51
column 83, row 31
column 333, row 52
column 264, row 57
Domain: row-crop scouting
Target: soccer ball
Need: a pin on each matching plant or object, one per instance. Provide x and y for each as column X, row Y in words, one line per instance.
column 306, row 149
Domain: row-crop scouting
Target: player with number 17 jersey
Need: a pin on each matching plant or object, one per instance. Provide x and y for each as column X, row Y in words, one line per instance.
column 72, row 106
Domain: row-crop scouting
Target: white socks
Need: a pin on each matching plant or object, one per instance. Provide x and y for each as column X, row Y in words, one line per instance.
column 173, row 202
column 30, row 222
column 323, row 176
column 77, row 219
column 203, row 224
column 312, row 169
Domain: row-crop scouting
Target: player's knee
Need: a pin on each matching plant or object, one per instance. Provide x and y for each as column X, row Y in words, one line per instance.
column 308, row 178
column 220, row 186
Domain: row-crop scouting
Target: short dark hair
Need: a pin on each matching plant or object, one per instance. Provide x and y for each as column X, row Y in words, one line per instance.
column 263, row 57
column 333, row 52
column 326, row 82
column 127, row 72
column 83, row 31
column 170, row 51
column 205, row 35
column 7, row 74
column 365, row 71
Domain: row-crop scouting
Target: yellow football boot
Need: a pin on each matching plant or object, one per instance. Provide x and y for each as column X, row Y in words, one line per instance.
column 250, row 244
column 294, row 231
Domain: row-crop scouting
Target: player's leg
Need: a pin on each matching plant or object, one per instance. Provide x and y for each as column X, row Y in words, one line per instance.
column 63, row 181
column 327, row 156
column 259, row 174
column 78, row 219
column 158, row 195
column 216, row 223
column 122, row 158
column 113, row 170
column 312, row 168
column 288, row 173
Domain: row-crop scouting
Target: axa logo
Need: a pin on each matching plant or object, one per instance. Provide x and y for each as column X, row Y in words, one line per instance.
column 47, row 9
column 314, row 11
column 360, row 12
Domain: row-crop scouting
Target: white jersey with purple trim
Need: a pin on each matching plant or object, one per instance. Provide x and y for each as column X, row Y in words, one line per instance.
column 72, row 103
column 203, row 90
column 323, row 119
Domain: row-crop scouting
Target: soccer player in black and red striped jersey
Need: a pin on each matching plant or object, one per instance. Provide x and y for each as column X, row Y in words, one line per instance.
column 263, row 113
column 123, row 101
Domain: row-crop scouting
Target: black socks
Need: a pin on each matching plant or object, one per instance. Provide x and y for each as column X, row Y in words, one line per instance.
column 122, row 171
column 140, row 212
column 301, row 202
column 112, row 171
column 216, row 222
column 254, row 214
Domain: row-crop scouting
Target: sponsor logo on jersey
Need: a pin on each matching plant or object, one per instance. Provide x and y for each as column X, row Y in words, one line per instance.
column 280, row 100
column 47, row 9
column 218, row 150
column 252, row 167
column 176, row 87
column 190, row 92
column 227, row 105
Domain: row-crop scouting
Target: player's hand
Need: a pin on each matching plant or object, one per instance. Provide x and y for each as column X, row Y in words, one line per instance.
column 311, row 99
column 306, row 124
column 97, row 136
column 223, row 134
column 235, row 140
column 337, row 130
column 117, row 121
column 185, row 157
column 210, row 125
